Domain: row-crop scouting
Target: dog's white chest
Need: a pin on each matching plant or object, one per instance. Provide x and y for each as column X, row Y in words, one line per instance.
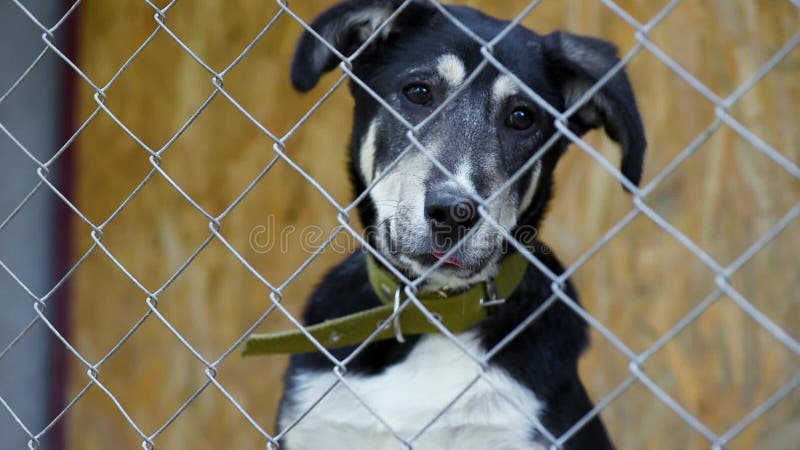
column 495, row 412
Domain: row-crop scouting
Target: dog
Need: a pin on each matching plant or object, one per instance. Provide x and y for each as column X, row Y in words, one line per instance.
column 530, row 388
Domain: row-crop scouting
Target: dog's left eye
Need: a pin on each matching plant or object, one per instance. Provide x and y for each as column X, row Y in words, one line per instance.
column 418, row 93
column 520, row 119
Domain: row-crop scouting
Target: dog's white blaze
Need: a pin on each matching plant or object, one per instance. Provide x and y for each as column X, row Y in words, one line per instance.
column 497, row 414
column 367, row 154
column 502, row 88
column 534, row 182
column 451, row 68
column 463, row 178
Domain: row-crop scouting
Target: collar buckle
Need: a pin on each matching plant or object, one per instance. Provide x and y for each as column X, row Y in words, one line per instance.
column 490, row 294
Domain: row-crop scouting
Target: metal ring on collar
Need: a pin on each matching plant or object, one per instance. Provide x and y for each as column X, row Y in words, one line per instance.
column 398, row 332
column 490, row 294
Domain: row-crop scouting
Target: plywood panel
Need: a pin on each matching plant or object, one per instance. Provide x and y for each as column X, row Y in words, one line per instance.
column 723, row 197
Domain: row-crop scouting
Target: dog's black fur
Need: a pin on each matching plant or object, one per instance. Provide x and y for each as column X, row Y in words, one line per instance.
column 544, row 357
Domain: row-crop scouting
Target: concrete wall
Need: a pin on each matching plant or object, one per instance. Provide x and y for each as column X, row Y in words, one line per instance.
column 31, row 113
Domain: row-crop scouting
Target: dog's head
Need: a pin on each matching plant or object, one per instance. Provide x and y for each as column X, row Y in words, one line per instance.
column 483, row 136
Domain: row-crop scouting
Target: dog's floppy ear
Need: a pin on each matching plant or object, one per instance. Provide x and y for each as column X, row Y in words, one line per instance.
column 576, row 63
column 346, row 27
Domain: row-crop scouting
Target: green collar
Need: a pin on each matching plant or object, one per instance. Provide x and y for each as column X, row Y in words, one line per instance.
column 457, row 311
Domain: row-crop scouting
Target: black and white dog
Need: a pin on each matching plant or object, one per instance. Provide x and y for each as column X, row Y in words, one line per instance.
column 482, row 137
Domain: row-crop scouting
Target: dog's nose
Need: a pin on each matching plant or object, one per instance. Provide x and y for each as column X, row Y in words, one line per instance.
column 451, row 215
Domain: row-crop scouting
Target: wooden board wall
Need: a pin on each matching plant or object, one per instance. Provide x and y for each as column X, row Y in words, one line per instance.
column 723, row 197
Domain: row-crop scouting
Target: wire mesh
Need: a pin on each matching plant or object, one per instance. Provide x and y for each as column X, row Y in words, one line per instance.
column 640, row 207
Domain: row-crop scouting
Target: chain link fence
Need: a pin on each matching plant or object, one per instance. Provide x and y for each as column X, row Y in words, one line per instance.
column 640, row 207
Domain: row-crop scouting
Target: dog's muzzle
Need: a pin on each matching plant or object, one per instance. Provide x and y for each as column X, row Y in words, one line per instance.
column 451, row 216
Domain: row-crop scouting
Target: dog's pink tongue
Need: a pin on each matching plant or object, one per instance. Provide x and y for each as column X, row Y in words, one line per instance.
column 450, row 260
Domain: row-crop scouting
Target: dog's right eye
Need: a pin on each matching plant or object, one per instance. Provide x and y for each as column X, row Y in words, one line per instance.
column 418, row 93
column 520, row 119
